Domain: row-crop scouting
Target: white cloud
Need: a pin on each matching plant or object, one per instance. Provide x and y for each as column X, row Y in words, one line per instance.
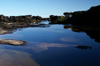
column 69, row 39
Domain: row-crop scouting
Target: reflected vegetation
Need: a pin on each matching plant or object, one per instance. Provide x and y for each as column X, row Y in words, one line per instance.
column 53, row 46
column 4, row 27
column 15, row 58
column 8, row 28
column 38, row 44
column 92, row 31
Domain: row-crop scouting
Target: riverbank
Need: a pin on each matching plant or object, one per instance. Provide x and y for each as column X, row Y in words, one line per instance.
column 82, row 18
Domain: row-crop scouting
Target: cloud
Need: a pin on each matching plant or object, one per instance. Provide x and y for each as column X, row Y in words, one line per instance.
column 69, row 39
column 16, row 58
column 47, row 45
column 58, row 31
column 13, row 36
column 42, row 46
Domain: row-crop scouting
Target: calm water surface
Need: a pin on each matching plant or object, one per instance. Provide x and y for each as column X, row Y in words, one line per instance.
column 51, row 45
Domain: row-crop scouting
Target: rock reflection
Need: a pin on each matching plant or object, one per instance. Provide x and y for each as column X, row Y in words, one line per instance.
column 92, row 31
column 94, row 34
column 15, row 58
column 6, row 28
column 3, row 31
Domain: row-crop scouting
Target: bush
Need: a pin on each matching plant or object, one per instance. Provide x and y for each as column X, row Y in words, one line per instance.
column 62, row 18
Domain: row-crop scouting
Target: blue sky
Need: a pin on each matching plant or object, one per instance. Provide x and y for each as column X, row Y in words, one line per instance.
column 44, row 8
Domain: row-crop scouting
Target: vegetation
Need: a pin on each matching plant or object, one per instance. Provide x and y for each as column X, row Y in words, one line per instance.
column 62, row 18
column 57, row 19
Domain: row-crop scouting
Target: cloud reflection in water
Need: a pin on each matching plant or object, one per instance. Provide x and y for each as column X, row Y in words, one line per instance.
column 15, row 58
column 41, row 46
column 69, row 39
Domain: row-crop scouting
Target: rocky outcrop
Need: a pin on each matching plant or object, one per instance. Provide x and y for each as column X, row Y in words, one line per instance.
column 77, row 13
column 3, row 31
column 12, row 42
column 25, row 18
column 89, row 17
column 83, row 47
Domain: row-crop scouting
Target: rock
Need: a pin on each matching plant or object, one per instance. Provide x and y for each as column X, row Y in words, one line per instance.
column 12, row 42
column 3, row 31
column 90, row 17
column 77, row 13
column 83, row 47
column 24, row 18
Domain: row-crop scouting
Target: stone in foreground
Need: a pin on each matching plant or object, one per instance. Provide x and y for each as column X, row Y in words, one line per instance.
column 12, row 42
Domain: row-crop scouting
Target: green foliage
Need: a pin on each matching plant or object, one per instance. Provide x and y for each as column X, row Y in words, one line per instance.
column 62, row 18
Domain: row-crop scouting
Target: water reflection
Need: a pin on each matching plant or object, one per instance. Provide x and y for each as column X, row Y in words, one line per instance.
column 15, row 58
column 6, row 28
column 69, row 39
column 92, row 31
column 41, row 46
column 3, row 31
column 49, row 46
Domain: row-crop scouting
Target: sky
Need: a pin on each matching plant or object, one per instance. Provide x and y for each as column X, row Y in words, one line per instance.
column 44, row 8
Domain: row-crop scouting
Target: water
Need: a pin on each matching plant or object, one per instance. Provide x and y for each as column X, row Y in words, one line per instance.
column 51, row 45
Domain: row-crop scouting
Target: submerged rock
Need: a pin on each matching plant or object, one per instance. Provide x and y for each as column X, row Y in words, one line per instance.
column 12, row 42
column 83, row 47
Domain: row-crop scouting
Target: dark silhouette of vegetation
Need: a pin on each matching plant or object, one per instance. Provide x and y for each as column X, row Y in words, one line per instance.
column 57, row 19
column 82, row 18
column 85, row 18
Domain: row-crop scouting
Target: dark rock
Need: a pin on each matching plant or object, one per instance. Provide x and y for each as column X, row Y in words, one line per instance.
column 83, row 47
column 89, row 17
column 25, row 18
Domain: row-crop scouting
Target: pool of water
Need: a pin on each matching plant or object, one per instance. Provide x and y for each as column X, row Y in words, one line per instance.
column 51, row 45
